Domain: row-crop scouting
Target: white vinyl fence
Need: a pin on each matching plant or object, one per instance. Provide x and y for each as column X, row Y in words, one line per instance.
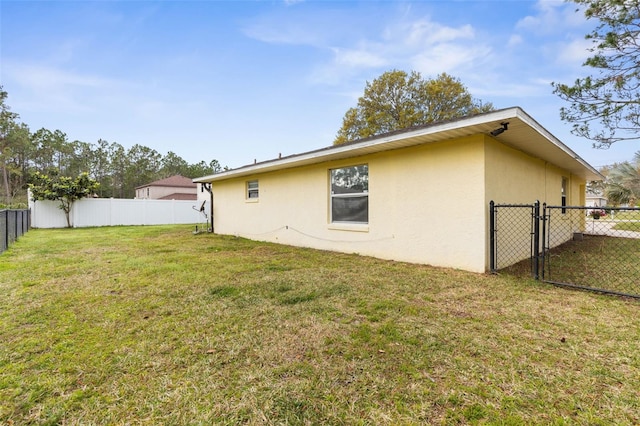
column 116, row 211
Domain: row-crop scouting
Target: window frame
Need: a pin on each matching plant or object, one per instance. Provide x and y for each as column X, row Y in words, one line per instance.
column 564, row 189
column 361, row 194
column 249, row 190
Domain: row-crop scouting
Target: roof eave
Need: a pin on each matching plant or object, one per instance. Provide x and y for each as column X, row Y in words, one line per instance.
column 481, row 123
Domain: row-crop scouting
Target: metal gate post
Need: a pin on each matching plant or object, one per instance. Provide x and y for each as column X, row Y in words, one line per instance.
column 492, row 237
column 536, row 240
column 544, row 236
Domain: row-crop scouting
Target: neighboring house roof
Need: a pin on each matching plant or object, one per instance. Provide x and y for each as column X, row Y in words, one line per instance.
column 173, row 181
column 179, row 196
column 523, row 134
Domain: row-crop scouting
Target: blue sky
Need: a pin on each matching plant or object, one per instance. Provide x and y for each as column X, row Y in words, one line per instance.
column 242, row 80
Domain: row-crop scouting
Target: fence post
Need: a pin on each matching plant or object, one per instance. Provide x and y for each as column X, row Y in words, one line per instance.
column 536, row 240
column 6, row 229
column 16, row 224
column 544, row 235
column 492, row 236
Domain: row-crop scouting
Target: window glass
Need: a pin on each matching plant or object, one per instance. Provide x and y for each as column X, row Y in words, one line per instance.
column 350, row 209
column 350, row 194
column 350, row 180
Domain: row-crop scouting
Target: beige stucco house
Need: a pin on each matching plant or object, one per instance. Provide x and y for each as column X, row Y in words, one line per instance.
column 172, row 188
column 419, row 195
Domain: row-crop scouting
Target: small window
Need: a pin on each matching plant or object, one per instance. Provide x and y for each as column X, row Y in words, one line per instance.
column 564, row 194
column 252, row 189
column 350, row 194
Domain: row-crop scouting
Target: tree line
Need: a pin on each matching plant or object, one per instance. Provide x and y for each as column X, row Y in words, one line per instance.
column 25, row 154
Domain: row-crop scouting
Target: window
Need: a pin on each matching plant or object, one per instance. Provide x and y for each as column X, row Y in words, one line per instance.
column 350, row 194
column 564, row 194
column 252, row 189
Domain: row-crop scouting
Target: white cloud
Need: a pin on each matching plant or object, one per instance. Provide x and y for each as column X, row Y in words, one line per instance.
column 358, row 58
column 515, row 40
column 546, row 20
column 552, row 17
column 451, row 58
column 56, row 89
column 360, row 46
column 42, row 76
column 574, row 52
column 292, row 34
column 513, row 92
column 411, row 44
column 292, row 26
column 425, row 32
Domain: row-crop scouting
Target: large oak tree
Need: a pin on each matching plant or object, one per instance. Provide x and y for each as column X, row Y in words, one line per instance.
column 397, row 100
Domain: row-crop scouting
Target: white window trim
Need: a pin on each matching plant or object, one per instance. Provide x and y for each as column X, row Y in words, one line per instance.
column 249, row 190
column 346, row 225
column 349, row 226
column 564, row 196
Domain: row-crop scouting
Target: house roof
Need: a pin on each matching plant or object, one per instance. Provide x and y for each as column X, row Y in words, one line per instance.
column 179, row 196
column 523, row 134
column 173, row 181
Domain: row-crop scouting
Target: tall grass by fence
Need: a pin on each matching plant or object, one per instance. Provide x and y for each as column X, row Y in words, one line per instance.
column 13, row 224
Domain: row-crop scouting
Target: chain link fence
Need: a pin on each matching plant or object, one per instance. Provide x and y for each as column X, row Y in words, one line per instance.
column 589, row 248
column 13, row 224
column 592, row 248
column 512, row 231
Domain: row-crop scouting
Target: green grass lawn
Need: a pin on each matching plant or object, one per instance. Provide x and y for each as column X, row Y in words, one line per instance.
column 627, row 226
column 154, row 325
column 626, row 215
column 598, row 262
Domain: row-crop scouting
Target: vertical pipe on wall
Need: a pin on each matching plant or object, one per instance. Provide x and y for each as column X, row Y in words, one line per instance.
column 207, row 187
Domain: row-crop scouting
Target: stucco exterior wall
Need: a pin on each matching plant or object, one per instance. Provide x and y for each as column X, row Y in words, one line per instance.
column 517, row 178
column 426, row 205
column 513, row 177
